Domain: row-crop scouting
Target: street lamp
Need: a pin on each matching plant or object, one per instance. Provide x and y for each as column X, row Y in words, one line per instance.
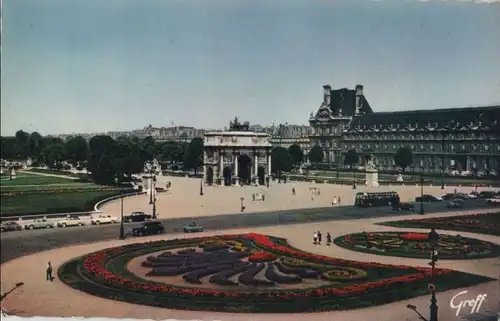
column 201, row 186
column 432, row 288
column 17, row 285
column 421, row 193
column 153, row 190
column 122, row 230
column 353, row 180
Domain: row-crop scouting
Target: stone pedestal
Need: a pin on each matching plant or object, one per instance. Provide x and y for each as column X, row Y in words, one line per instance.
column 236, row 181
column 256, row 180
column 372, row 178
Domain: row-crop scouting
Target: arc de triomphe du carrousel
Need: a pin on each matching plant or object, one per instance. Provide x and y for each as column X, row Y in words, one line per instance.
column 237, row 156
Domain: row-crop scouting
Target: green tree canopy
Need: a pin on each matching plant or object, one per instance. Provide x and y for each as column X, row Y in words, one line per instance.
column 316, row 154
column 351, row 158
column 193, row 156
column 403, row 157
column 296, row 155
column 280, row 161
column 77, row 150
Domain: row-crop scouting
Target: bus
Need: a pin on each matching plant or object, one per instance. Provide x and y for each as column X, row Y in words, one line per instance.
column 364, row 199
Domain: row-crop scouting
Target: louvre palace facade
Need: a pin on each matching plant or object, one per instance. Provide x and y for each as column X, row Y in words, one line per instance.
column 442, row 140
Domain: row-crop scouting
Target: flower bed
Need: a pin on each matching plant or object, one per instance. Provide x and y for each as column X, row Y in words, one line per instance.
column 488, row 223
column 343, row 284
column 417, row 245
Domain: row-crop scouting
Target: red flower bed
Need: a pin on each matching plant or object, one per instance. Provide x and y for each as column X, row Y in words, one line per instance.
column 414, row 236
column 95, row 265
column 262, row 257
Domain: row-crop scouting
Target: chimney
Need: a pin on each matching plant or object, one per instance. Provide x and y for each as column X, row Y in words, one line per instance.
column 326, row 95
column 359, row 90
column 359, row 93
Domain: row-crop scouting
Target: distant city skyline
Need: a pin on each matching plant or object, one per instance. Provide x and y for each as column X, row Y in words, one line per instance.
column 99, row 66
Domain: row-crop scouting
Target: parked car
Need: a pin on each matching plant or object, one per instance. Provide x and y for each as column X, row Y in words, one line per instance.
column 148, row 228
column 455, row 203
column 137, row 217
column 192, row 227
column 493, row 201
column 70, row 221
column 448, row 197
column 486, row 194
column 10, row 226
column 403, row 206
column 428, row 198
column 103, row 219
column 38, row 223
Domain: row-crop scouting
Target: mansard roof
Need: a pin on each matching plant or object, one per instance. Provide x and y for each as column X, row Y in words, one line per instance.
column 344, row 100
column 437, row 119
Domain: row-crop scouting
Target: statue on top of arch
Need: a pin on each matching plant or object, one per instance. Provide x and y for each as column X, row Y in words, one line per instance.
column 236, row 126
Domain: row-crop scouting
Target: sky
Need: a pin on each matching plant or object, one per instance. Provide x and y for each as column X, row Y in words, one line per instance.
column 77, row 66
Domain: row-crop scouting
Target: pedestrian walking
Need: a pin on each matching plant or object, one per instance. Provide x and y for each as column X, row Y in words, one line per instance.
column 49, row 272
column 315, row 238
column 334, row 201
column 338, row 200
column 293, row 190
column 319, row 237
column 328, row 239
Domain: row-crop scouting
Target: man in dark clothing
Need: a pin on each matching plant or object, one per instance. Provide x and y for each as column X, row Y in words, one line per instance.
column 319, row 237
column 433, row 236
column 49, row 272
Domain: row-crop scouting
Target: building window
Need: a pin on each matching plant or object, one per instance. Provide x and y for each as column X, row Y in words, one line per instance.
column 486, row 147
column 393, row 146
column 412, row 147
column 422, row 146
column 452, row 147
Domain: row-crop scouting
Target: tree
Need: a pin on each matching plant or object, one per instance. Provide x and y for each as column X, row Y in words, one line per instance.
column 403, row 157
column 127, row 161
column 36, row 145
column 172, row 152
column 280, row 161
column 102, row 152
column 8, row 148
column 351, row 158
column 77, row 150
column 193, row 156
column 22, row 144
column 296, row 155
column 316, row 154
column 53, row 155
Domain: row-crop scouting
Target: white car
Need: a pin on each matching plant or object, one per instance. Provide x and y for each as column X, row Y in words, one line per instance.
column 494, row 200
column 70, row 221
column 104, row 219
column 472, row 196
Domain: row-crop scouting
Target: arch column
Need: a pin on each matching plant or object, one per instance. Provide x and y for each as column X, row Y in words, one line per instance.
column 205, row 167
column 221, row 168
column 236, row 177
column 268, row 154
column 256, row 167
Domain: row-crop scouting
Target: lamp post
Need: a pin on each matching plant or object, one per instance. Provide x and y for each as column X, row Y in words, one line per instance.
column 432, row 288
column 122, row 230
column 17, row 285
column 433, row 307
column 153, row 190
column 421, row 193
column 151, row 187
column 353, row 180
column 201, row 186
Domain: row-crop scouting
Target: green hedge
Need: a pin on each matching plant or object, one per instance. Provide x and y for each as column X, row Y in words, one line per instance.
column 50, row 203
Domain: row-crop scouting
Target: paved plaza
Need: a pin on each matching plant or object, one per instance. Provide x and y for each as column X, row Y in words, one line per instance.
column 184, row 200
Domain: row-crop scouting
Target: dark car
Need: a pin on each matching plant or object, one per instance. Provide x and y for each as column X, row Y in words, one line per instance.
column 10, row 226
column 452, row 196
column 402, row 206
column 148, row 228
column 428, row 198
column 448, row 197
column 137, row 217
column 486, row 194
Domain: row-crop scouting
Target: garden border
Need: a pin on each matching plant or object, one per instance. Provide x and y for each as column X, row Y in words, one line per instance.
column 105, row 283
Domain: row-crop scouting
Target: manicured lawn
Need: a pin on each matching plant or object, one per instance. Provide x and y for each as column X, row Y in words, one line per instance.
column 33, row 179
column 48, row 203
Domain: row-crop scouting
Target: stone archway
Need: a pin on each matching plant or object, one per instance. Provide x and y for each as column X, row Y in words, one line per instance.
column 261, row 173
column 245, row 169
column 210, row 176
column 227, row 174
